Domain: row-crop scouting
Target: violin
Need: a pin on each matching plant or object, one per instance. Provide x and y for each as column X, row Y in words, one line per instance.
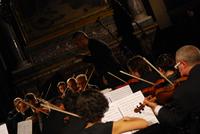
column 133, row 81
column 141, row 106
column 151, row 90
column 161, row 95
column 164, row 94
column 160, row 86
column 136, row 79
column 129, row 82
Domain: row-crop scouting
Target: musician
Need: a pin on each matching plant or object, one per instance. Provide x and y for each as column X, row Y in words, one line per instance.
column 182, row 114
column 61, row 86
column 58, row 122
column 19, row 105
column 16, row 115
column 39, row 114
column 138, row 67
column 91, row 106
column 61, row 90
column 73, row 125
column 82, row 83
column 72, row 84
column 55, row 121
column 165, row 64
column 100, row 56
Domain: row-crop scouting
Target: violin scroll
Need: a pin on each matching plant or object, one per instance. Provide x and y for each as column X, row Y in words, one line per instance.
column 139, row 108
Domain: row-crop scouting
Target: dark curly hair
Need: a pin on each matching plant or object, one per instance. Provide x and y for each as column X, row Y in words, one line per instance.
column 91, row 105
column 166, row 62
column 136, row 64
column 69, row 101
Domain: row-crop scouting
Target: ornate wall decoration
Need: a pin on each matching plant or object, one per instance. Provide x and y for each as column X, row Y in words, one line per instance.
column 41, row 20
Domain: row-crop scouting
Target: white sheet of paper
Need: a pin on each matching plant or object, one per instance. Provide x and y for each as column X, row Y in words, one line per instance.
column 24, row 127
column 106, row 90
column 113, row 114
column 125, row 107
column 119, row 93
column 129, row 103
column 3, row 129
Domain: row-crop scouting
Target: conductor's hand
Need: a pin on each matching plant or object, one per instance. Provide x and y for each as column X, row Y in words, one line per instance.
column 81, row 55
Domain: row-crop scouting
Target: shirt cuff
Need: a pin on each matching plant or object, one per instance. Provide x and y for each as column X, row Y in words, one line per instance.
column 157, row 109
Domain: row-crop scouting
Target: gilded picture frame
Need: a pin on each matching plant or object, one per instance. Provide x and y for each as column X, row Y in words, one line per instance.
column 42, row 20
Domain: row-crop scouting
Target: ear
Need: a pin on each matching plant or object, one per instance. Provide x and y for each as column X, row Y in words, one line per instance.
column 184, row 64
column 82, row 37
column 160, row 69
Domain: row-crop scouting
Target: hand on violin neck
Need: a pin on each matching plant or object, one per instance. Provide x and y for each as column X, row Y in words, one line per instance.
column 150, row 103
column 150, row 97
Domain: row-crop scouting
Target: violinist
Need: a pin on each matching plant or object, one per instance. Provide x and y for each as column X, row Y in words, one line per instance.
column 82, row 83
column 72, row 84
column 17, row 115
column 163, row 90
column 39, row 114
column 138, row 67
column 55, row 121
column 165, row 64
column 59, row 122
column 61, row 88
column 182, row 114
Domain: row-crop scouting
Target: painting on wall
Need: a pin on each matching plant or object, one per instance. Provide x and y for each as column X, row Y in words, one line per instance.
column 38, row 18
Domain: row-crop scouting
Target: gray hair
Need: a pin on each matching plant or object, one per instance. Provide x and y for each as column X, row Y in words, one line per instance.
column 188, row 53
column 61, row 83
column 17, row 100
column 71, row 79
column 81, row 76
column 78, row 34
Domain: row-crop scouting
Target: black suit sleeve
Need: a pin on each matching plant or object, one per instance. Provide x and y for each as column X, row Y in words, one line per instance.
column 171, row 117
column 179, row 109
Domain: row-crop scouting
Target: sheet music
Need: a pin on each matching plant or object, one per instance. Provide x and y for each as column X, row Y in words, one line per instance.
column 24, row 127
column 125, row 107
column 129, row 103
column 113, row 114
column 118, row 93
column 106, row 90
column 3, row 129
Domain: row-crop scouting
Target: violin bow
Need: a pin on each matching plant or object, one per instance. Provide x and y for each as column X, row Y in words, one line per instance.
column 30, row 105
column 47, row 91
column 151, row 83
column 89, row 78
column 156, row 69
column 116, row 77
column 53, row 107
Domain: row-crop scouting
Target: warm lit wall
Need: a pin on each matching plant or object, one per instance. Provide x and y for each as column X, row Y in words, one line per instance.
column 160, row 13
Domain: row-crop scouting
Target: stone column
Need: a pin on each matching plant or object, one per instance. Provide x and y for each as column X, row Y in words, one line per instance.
column 9, row 42
column 137, row 9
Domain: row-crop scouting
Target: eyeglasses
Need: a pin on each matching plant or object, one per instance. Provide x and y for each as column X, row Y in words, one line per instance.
column 177, row 64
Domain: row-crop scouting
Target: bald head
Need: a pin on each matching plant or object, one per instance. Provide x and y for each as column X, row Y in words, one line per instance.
column 81, row 80
column 189, row 54
column 80, row 39
column 78, row 34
